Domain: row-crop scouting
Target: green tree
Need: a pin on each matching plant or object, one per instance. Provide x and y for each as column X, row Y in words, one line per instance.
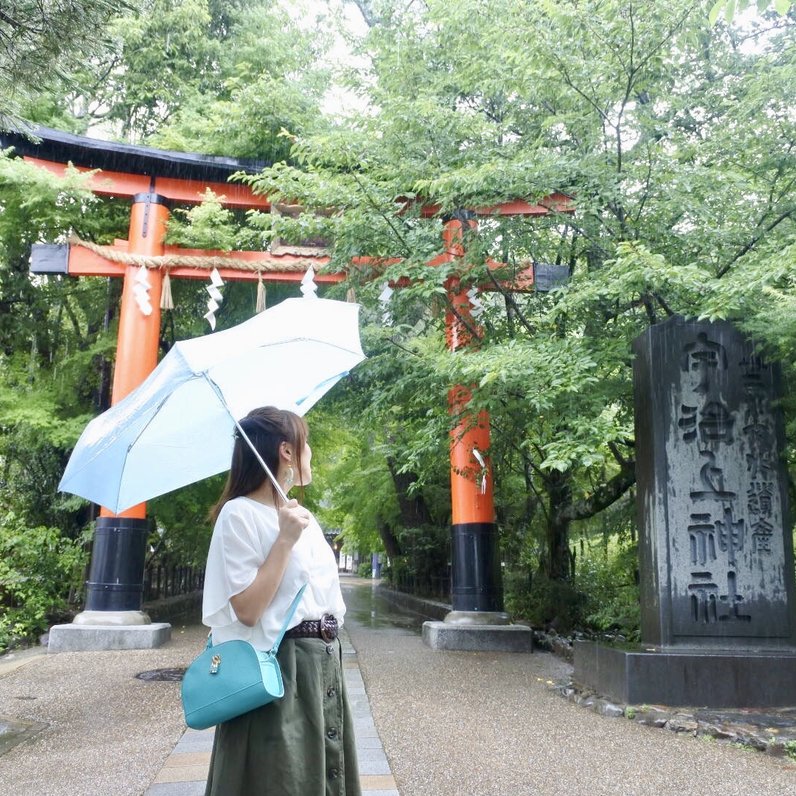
column 675, row 141
column 201, row 75
column 42, row 40
column 206, row 75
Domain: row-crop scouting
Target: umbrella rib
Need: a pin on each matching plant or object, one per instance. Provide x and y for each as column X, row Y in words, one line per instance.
column 245, row 436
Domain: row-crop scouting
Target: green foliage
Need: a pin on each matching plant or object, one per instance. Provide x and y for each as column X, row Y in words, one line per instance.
column 44, row 39
column 209, row 76
column 544, row 603
column 208, row 225
column 200, row 75
column 358, row 493
column 365, row 570
column 423, row 567
column 40, row 571
column 182, row 522
column 673, row 136
column 604, row 597
column 731, row 7
column 608, row 575
column 163, row 53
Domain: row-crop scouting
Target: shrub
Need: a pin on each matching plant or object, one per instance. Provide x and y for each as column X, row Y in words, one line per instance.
column 423, row 567
column 608, row 576
column 365, row 569
column 40, row 571
column 603, row 598
column 542, row 602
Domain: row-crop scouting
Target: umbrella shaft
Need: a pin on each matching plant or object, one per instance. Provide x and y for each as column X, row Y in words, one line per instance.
column 271, row 476
column 266, row 468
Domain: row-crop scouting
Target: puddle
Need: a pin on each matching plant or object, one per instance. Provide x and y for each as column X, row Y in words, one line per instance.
column 367, row 607
column 14, row 731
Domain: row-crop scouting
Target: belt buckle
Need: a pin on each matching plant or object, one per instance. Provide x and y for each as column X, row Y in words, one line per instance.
column 327, row 629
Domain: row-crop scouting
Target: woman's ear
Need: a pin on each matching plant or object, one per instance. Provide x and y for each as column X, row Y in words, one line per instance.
column 285, row 452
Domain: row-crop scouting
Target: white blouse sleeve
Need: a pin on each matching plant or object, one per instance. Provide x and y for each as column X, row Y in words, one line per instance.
column 233, row 560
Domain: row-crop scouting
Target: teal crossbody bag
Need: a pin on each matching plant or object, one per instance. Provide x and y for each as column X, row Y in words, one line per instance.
column 232, row 678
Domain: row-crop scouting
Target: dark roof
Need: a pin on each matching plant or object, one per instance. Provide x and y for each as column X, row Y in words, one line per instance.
column 60, row 147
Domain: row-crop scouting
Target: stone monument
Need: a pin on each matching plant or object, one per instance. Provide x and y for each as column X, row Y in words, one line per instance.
column 716, row 549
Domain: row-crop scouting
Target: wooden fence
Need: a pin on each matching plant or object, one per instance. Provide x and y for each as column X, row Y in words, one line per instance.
column 165, row 580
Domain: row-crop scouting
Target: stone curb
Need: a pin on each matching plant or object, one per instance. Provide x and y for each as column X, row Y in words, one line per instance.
column 779, row 741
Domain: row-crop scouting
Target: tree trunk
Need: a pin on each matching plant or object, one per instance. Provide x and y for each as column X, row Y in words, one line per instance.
column 389, row 540
column 559, row 560
column 413, row 508
column 557, row 564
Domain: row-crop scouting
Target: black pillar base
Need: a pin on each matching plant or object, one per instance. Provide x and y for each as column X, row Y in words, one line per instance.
column 476, row 583
column 116, row 578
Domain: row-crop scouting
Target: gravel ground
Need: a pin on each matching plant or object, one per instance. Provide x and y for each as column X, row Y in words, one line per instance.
column 487, row 724
column 105, row 732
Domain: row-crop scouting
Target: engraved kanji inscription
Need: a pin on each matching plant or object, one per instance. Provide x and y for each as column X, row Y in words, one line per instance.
column 705, row 357
column 712, row 422
column 704, row 597
column 762, row 532
column 731, row 534
column 712, row 479
column 759, row 497
column 702, row 538
column 733, row 602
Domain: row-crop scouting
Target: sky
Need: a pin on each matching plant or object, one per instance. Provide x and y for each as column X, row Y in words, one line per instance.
column 339, row 100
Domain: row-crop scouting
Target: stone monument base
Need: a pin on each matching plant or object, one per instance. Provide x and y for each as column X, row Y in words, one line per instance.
column 88, row 638
column 693, row 678
column 477, row 637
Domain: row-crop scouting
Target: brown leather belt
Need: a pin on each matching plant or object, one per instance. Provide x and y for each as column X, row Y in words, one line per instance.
column 324, row 628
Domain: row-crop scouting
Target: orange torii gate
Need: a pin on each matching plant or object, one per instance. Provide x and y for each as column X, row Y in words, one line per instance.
column 153, row 179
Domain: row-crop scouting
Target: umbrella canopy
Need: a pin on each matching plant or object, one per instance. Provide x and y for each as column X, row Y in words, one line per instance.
column 177, row 426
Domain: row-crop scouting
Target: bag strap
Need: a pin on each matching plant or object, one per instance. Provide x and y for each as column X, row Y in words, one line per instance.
column 290, row 611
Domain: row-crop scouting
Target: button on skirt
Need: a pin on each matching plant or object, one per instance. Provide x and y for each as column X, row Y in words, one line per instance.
column 300, row 745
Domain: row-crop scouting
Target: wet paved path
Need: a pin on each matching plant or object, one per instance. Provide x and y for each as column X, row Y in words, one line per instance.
column 185, row 771
column 488, row 724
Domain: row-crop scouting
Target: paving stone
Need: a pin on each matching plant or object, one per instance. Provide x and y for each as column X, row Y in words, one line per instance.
column 177, row 789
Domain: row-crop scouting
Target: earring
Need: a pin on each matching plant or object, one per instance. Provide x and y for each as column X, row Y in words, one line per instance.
column 288, row 478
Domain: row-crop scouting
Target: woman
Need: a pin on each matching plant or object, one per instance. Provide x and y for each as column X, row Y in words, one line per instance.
column 262, row 551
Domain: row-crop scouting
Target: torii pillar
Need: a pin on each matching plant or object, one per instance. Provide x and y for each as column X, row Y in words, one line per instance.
column 113, row 617
column 114, row 590
column 477, row 620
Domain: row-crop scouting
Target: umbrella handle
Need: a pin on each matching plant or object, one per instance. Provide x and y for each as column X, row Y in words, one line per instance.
column 277, row 487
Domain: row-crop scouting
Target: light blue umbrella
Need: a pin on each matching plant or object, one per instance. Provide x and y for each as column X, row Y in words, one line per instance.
column 177, row 426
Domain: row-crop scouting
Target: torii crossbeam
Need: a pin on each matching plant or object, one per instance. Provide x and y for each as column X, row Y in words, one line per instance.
column 154, row 179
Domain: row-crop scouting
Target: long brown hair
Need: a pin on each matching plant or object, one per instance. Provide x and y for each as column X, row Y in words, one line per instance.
column 267, row 428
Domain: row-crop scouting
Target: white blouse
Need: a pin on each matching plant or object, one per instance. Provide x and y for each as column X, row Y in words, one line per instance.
column 243, row 535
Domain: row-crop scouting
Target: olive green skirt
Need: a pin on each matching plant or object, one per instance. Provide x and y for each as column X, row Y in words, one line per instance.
column 300, row 745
